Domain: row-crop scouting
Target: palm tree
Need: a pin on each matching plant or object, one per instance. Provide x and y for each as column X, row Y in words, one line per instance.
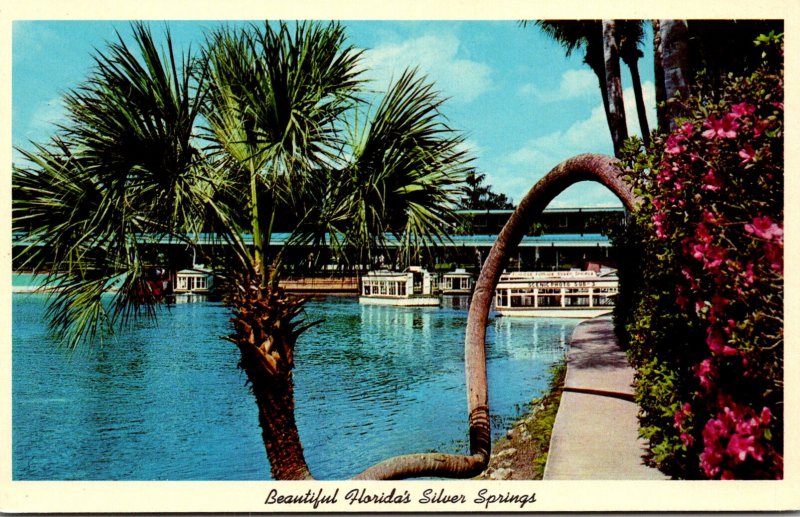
column 673, row 50
column 631, row 36
column 275, row 103
column 125, row 165
column 590, row 36
column 616, row 106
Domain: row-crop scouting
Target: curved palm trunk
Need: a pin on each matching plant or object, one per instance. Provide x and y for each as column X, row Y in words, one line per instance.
column 616, row 106
column 600, row 168
column 675, row 65
column 267, row 330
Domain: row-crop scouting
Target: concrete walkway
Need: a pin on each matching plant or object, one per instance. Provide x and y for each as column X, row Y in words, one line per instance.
column 595, row 435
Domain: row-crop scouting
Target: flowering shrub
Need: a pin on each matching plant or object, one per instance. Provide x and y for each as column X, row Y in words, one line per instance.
column 701, row 302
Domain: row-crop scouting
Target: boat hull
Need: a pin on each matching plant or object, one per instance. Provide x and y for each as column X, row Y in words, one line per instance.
column 416, row 301
column 555, row 312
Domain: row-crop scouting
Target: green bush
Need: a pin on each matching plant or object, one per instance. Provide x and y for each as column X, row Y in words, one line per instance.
column 700, row 309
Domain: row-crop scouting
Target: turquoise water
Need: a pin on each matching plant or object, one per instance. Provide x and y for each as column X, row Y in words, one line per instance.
column 166, row 401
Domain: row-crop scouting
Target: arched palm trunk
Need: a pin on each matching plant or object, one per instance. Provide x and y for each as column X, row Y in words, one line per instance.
column 600, row 168
column 266, row 331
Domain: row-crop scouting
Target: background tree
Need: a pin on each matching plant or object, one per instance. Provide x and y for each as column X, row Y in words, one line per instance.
column 480, row 196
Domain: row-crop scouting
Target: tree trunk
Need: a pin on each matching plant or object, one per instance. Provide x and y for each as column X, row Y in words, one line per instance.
column 675, row 63
column 594, row 58
column 266, row 332
column 641, row 111
column 616, row 107
column 662, row 121
column 583, row 167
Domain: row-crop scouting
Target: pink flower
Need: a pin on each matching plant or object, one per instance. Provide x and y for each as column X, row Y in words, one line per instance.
column 759, row 127
column 743, row 109
column 721, row 128
column 766, row 416
column 764, row 228
column 739, row 447
column 673, row 144
column 709, row 217
column 705, row 372
column 718, row 305
column 773, row 252
column 682, row 412
column 659, row 218
column 717, row 343
column 746, row 153
column 702, row 234
column 711, row 181
column 714, row 257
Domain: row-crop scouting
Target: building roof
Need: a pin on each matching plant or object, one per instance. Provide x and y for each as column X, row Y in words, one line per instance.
column 456, row 241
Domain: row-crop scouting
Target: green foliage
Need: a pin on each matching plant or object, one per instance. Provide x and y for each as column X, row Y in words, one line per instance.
column 479, row 196
column 700, row 307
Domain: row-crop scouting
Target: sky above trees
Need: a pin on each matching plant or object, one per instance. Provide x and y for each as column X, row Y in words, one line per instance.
column 523, row 105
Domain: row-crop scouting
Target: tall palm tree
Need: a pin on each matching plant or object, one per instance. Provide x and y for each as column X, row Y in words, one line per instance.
column 275, row 102
column 589, row 36
column 616, row 106
column 673, row 49
column 631, row 36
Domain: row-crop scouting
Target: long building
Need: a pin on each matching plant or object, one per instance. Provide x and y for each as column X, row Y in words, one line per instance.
column 563, row 238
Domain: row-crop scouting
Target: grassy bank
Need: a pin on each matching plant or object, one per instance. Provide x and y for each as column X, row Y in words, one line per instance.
column 522, row 453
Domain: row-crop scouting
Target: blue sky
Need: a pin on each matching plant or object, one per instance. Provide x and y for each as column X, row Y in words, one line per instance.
column 522, row 104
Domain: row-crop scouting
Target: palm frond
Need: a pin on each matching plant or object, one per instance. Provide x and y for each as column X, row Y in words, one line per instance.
column 123, row 168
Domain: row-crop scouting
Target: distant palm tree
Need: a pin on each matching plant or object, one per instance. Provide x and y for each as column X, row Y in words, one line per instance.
column 276, row 103
column 589, row 36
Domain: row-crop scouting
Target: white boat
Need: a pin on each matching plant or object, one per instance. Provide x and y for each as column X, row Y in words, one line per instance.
column 556, row 294
column 197, row 280
column 457, row 282
column 410, row 288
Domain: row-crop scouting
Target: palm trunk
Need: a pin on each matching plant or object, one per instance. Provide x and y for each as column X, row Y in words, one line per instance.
column 594, row 58
column 594, row 167
column 662, row 121
column 266, row 332
column 641, row 111
column 675, row 63
column 616, row 107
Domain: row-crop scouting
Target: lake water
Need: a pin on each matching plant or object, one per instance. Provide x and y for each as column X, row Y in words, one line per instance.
column 165, row 401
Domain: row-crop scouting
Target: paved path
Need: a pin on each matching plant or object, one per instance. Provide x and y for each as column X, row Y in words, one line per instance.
column 595, row 435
